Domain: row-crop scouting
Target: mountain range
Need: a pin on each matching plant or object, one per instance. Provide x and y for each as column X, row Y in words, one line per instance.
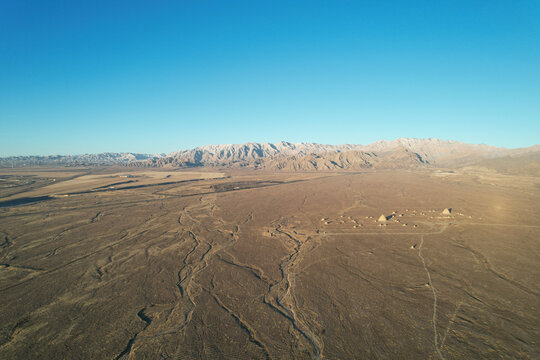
column 76, row 160
column 287, row 156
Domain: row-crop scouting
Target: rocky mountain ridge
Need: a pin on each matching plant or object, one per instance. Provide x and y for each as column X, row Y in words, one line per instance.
column 345, row 160
column 398, row 153
column 435, row 152
column 76, row 160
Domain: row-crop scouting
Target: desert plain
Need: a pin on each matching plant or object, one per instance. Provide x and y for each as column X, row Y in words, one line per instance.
column 120, row 263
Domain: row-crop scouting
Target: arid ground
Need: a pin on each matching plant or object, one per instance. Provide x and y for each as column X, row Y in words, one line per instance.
column 109, row 263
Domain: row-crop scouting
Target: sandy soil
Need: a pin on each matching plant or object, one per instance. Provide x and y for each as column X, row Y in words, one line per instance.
column 254, row 265
column 69, row 183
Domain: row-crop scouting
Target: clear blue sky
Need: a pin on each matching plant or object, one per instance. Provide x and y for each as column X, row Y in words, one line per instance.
column 158, row 76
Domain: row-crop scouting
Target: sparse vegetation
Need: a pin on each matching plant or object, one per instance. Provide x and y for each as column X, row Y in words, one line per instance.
column 245, row 264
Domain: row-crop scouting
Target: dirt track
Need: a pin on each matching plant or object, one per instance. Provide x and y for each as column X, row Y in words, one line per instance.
column 212, row 269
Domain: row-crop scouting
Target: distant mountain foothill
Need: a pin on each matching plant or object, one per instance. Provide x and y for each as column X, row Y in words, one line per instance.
column 286, row 156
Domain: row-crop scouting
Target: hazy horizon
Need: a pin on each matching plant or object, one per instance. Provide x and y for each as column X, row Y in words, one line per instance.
column 248, row 142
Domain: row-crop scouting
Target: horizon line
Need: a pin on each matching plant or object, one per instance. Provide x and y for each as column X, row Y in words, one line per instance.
column 266, row 142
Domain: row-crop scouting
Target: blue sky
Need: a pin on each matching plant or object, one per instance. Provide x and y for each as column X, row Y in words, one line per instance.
column 97, row 76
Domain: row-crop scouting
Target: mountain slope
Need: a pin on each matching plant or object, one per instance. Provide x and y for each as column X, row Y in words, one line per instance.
column 516, row 164
column 348, row 160
column 76, row 160
column 440, row 152
column 433, row 151
column 401, row 152
column 247, row 154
